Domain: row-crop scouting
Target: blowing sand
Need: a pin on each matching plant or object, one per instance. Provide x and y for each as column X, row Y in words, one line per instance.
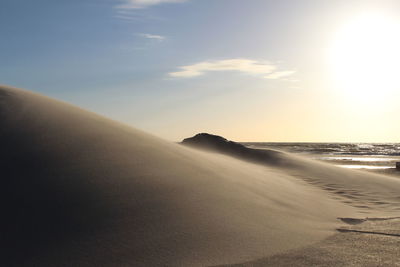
column 80, row 189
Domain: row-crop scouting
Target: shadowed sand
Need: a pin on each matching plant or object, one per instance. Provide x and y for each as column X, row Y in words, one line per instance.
column 80, row 189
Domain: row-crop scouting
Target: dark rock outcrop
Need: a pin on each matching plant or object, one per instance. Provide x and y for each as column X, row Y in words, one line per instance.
column 222, row 145
column 214, row 142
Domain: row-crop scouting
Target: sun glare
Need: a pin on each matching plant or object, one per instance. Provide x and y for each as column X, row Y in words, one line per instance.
column 365, row 57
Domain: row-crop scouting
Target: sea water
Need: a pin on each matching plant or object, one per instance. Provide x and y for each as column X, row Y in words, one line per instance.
column 373, row 156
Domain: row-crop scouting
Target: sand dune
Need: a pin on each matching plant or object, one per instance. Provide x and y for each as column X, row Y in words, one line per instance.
column 80, row 189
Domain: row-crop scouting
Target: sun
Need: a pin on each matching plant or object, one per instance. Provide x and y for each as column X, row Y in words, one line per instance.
column 365, row 57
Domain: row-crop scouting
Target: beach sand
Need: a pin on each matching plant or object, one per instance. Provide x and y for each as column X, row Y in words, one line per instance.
column 81, row 189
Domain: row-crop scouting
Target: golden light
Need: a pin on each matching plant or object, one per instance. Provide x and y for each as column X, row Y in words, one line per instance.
column 365, row 57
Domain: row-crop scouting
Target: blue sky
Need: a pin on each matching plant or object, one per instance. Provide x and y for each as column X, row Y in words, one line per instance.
column 248, row 70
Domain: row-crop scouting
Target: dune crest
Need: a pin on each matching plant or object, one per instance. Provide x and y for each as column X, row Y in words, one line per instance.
column 80, row 189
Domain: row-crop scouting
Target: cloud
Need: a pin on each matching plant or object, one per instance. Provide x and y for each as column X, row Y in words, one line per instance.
column 139, row 4
column 153, row 36
column 253, row 67
column 280, row 74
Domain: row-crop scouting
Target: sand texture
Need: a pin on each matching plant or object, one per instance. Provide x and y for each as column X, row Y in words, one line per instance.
column 79, row 189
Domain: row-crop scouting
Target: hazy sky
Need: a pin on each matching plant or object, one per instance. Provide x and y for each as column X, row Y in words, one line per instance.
column 250, row 70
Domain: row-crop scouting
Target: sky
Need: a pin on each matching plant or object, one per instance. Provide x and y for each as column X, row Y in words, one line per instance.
column 249, row 70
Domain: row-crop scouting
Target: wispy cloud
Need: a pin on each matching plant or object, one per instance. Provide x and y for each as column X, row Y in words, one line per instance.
column 139, row 4
column 280, row 74
column 132, row 15
column 259, row 68
column 152, row 36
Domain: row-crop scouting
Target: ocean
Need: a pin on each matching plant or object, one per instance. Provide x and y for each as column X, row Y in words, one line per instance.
column 368, row 156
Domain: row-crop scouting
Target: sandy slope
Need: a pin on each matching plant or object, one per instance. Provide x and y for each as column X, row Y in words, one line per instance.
column 81, row 189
